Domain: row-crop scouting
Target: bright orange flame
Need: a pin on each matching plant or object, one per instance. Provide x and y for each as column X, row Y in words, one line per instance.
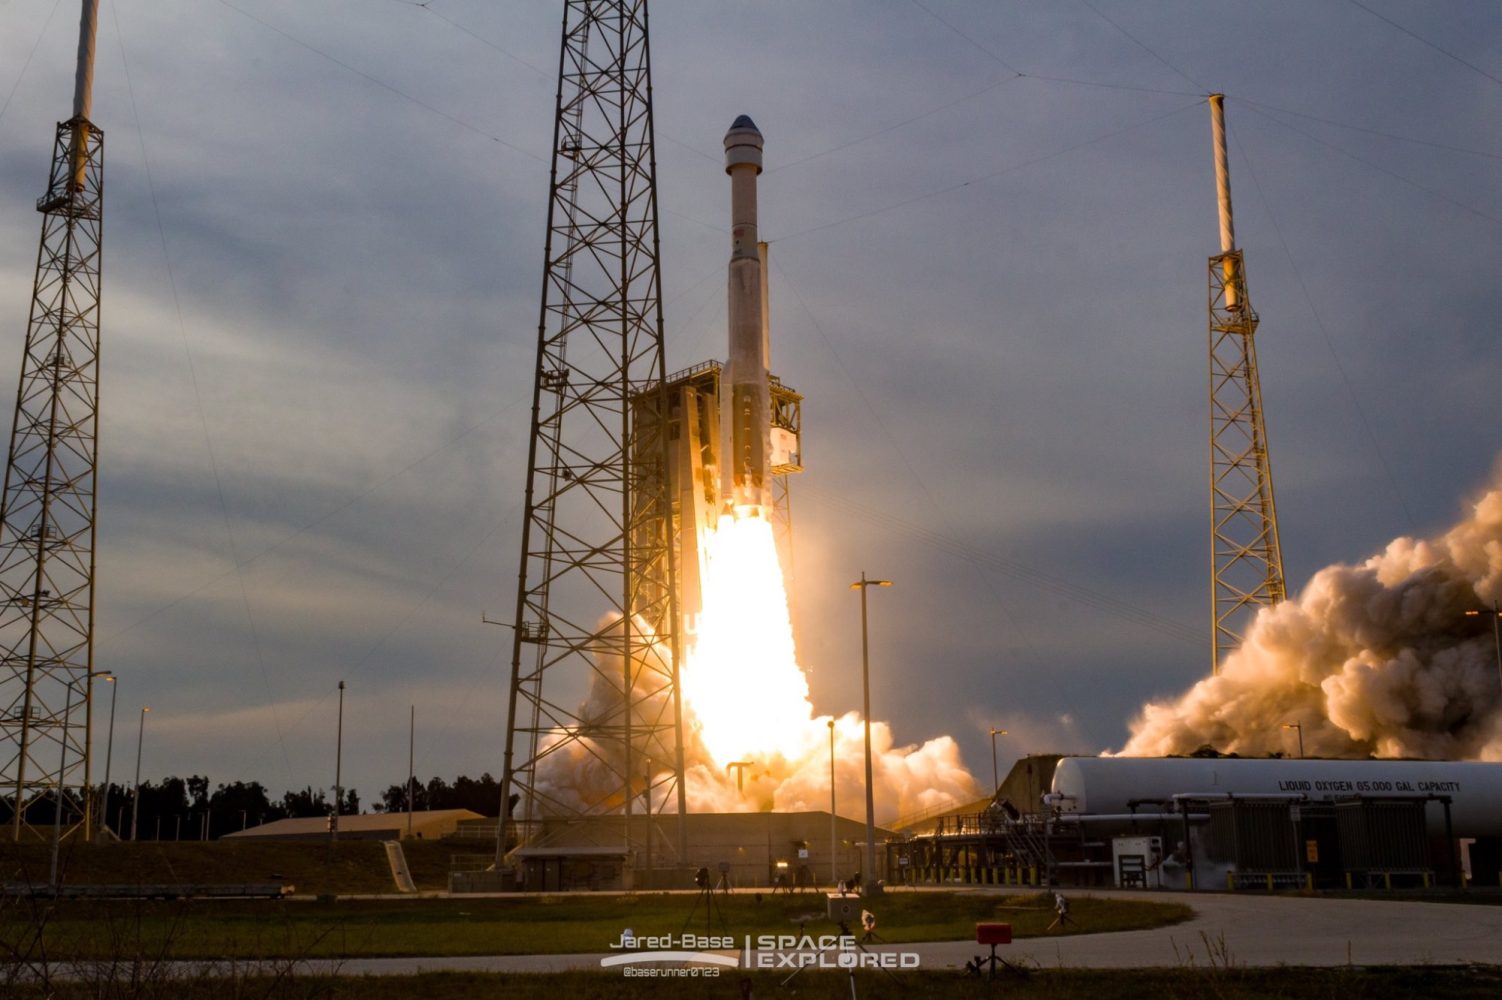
column 741, row 679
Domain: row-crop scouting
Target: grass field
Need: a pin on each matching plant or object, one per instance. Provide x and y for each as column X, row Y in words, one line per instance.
column 519, row 926
column 1170, row 984
column 315, row 868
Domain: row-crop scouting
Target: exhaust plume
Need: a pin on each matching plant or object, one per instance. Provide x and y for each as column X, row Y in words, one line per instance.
column 1378, row 658
column 746, row 704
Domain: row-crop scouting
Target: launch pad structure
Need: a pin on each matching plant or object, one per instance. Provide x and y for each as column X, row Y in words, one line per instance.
column 47, row 514
column 695, row 402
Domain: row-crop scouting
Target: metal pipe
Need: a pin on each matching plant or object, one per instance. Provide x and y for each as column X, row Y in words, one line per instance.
column 83, row 92
column 1221, row 796
column 83, row 81
column 1125, row 817
column 1222, row 173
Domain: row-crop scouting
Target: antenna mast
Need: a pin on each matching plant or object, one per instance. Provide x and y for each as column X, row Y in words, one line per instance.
column 48, row 505
column 1246, row 558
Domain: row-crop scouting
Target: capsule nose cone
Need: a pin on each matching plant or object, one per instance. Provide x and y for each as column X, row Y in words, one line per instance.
column 743, row 144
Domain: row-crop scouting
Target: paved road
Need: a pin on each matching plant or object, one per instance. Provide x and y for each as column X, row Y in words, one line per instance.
column 1243, row 929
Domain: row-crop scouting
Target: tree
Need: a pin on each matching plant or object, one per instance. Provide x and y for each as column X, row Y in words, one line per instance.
column 481, row 795
column 237, row 806
column 304, row 803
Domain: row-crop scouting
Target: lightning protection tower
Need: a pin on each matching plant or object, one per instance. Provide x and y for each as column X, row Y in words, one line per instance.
column 47, row 510
column 1246, row 559
column 594, row 721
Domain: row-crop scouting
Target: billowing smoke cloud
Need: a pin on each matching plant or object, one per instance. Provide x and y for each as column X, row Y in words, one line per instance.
column 752, row 742
column 584, row 774
column 1373, row 659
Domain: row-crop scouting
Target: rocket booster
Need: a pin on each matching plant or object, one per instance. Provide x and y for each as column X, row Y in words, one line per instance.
column 746, row 414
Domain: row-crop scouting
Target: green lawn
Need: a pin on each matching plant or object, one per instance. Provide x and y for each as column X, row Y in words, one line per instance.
column 481, row 926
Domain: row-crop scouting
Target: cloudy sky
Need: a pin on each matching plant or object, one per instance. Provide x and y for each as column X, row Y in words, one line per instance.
column 989, row 224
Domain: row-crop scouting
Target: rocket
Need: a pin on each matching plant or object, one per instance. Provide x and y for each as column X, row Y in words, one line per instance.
column 745, row 395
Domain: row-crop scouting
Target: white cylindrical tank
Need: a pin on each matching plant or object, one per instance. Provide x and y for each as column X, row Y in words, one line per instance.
column 1095, row 785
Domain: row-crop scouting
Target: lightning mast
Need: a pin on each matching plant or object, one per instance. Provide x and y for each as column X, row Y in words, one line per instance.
column 1246, row 559
column 594, row 690
column 48, row 506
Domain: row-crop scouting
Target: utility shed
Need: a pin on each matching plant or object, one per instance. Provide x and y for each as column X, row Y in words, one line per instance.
column 430, row 824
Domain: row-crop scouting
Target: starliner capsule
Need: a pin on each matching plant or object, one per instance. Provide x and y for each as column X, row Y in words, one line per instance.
column 746, row 424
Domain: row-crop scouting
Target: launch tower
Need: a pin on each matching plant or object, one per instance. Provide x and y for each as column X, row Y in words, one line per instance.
column 594, row 685
column 47, row 509
column 1246, row 559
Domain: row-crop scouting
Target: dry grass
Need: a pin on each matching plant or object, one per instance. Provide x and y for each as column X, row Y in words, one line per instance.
column 351, row 866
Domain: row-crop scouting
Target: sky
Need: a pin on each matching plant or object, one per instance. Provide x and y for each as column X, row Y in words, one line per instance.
column 989, row 225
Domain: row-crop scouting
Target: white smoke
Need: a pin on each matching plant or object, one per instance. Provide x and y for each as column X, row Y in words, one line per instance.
column 584, row 774
column 1374, row 659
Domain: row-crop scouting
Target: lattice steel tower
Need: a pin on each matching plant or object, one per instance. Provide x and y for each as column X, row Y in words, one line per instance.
column 1246, row 559
column 47, row 511
column 594, row 718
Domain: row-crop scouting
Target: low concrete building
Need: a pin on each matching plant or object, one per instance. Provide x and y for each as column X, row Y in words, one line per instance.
column 426, row 825
column 766, row 850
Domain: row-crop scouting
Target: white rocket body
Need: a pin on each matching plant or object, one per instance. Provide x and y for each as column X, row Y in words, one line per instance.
column 745, row 395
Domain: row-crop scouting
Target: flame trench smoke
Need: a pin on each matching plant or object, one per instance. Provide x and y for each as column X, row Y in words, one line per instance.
column 1378, row 659
column 746, row 702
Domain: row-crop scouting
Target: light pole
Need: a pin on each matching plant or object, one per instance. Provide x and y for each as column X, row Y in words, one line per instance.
column 870, row 886
column 1496, row 631
column 338, row 767
column 995, row 776
column 109, row 750
column 57, row 803
column 135, row 809
column 834, row 875
column 1299, row 726
column 411, row 769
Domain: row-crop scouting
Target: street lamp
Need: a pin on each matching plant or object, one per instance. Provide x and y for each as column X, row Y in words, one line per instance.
column 1299, row 726
column 57, row 802
column 135, row 809
column 834, row 875
column 109, row 750
column 1496, row 614
column 338, row 767
column 995, row 777
column 871, row 887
